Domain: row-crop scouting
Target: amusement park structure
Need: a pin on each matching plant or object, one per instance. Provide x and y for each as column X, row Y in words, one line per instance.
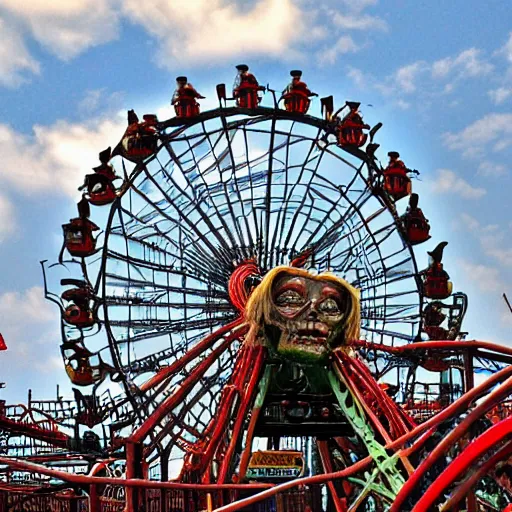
column 247, row 328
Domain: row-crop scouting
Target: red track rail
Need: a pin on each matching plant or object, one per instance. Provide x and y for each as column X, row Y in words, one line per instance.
column 443, row 345
column 53, row 437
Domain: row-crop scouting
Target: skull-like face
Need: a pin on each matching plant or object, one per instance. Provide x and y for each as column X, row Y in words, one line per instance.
column 310, row 315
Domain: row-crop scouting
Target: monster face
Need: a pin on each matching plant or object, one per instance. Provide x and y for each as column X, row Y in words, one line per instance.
column 309, row 314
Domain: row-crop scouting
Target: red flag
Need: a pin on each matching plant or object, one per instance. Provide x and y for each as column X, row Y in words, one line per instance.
column 3, row 346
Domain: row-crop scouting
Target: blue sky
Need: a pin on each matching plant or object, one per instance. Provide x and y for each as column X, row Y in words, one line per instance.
column 437, row 74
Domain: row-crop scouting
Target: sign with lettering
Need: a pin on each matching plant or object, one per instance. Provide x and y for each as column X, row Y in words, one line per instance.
column 276, row 464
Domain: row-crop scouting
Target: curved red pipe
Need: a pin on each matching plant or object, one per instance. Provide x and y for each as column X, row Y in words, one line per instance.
column 455, row 346
column 448, row 441
column 53, row 437
column 130, row 482
column 194, row 352
column 238, row 294
column 257, row 357
column 459, row 405
column 473, row 451
column 170, row 402
column 487, row 466
column 386, row 405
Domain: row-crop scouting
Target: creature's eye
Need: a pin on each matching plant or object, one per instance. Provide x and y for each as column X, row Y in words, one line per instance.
column 329, row 307
column 289, row 298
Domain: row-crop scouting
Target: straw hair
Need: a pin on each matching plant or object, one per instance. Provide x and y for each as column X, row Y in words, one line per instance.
column 260, row 304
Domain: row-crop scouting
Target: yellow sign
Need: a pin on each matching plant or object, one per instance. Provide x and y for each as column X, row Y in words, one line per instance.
column 276, row 464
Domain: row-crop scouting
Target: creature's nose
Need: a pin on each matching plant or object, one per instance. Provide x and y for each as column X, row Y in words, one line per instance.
column 313, row 314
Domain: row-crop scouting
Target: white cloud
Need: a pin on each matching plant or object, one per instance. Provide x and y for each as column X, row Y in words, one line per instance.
column 404, row 105
column 194, row 32
column 491, row 169
column 8, row 223
column 500, row 95
column 357, row 7
column 436, row 78
column 447, row 182
column 345, row 44
column 51, row 365
column 467, row 64
column 448, row 88
column 441, row 67
column 30, row 326
column 475, row 226
column 491, row 237
column 67, row 27
column 24, row 316
column 470, row 222
column 502, row 254
column 493, row 131
column 506, row 49
column 15, row 59
column 358, row 76
column 405, row 77
column 205, row 30
column 91, row 100
column 358, row 21
column 16, row 308
column 28, row 361
column 485, row 277
column 56, row 157
column 98, row 102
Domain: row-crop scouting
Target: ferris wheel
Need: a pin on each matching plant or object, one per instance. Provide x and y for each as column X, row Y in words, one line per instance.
column 236, row 189
column 192, row 213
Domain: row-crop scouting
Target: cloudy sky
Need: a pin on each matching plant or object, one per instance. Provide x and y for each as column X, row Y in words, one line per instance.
column 438, row 75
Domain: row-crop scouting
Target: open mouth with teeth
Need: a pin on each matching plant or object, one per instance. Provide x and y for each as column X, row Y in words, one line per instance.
column 307, row 342
column 310, row 333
